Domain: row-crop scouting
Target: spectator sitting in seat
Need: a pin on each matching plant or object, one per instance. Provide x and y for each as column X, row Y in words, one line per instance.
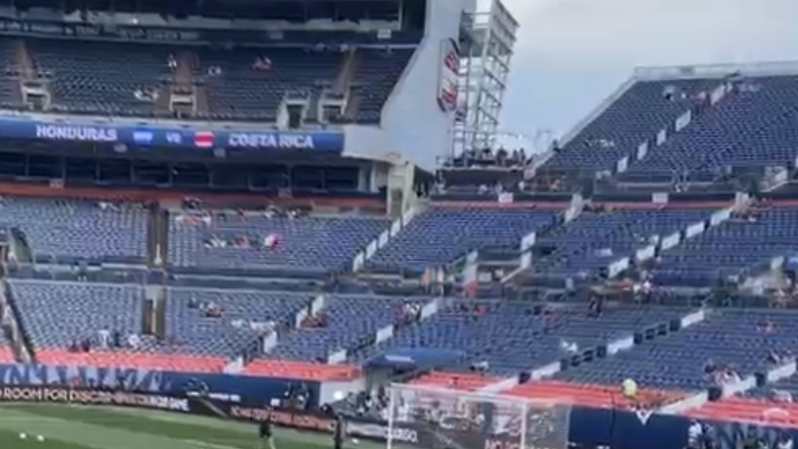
column 313, row 321
column 410, row 312
column 134, row 341
column 569, row 347
column 774, row 357
column 271, row 241
column 481, row 367
column 105, row 205
column 784, row 441
column 783, row 396
column 104, row 338
column 262, row 64
column 116, row 339
column 710, row 367
column 727, row 376
column 213, row 310
column 596, row 307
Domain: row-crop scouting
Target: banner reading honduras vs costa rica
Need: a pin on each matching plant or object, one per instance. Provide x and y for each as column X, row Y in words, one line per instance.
column 142, row 136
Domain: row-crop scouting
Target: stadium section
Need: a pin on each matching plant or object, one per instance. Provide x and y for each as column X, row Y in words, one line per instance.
column 209, row 215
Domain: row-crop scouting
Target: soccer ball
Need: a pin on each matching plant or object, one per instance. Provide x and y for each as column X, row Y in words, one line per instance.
column 39, row 438
column 23, row 436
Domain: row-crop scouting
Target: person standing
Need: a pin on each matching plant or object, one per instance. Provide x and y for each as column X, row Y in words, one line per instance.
column 265, row 432
column 339, row 432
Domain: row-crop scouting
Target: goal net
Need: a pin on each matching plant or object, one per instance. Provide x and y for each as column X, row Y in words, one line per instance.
column 440, row 418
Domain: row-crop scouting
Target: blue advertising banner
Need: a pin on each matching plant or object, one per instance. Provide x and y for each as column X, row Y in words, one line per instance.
column 143, row 136
column 259, row 389
column 255, row 389
column 636, row 430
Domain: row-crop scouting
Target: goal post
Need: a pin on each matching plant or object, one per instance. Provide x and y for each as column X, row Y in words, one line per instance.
column 442, row 418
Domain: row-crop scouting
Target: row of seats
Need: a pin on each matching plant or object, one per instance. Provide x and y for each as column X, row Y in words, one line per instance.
column 304, row 243
column 101, row 77
column 595, row 239
column 349, row 319
column 678, row 361
column 194, row 331
column 64, row 230
column 58, row 229
column 104, row 77
column 746, row 241
column 511, row 338
column 617, row 131
column 440, row 235
column 191, row 364
column 748, row 127
column 59, row 314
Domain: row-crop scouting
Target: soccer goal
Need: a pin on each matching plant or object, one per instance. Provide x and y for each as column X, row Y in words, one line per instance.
column 440, row 418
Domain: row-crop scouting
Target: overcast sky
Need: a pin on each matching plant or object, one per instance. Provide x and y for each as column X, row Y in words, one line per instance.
column 571, row 54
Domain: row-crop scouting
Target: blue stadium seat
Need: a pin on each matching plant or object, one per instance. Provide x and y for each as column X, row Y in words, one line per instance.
column 727, row 337
column 633, row 118
column 441, row 234
column 70, row 230
column 512, row 339
column 305, row 243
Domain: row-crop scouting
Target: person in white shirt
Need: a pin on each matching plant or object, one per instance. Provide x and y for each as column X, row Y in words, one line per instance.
column 782, row 396
column 104, row 335
column 133, row 340
column 784, row 442
column 571, row 348
column 694, row 434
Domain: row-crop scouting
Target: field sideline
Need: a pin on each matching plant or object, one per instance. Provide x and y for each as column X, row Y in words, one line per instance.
column 87, row 427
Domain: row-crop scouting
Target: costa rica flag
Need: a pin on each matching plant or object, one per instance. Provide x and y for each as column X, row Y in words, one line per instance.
column 203, row 139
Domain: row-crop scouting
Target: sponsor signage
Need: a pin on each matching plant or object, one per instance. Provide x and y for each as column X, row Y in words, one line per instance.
column 156, row 136
column 359, row 427
column 90, row 396
column 448, row 75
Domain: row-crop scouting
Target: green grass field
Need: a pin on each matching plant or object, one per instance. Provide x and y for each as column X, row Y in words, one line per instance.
column 85, row 427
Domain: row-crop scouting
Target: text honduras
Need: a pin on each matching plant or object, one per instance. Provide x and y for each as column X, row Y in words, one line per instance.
column 84, row 133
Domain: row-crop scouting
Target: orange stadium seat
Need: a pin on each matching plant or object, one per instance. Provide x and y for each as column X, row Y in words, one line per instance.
column 743, row 409
column 6, row 355
column 457, row 381
column 168, row 362
column 589, row 395
column 301, row 370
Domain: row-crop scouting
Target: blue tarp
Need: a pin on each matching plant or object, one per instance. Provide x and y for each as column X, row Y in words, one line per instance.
column 415, row 358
